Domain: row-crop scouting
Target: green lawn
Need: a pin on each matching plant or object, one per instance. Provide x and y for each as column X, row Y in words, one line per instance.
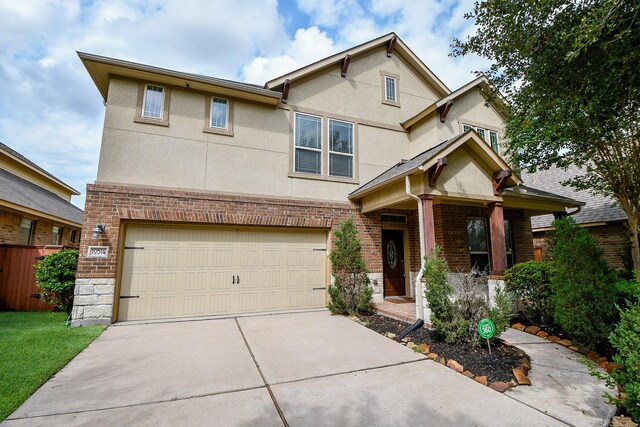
column 33, row 347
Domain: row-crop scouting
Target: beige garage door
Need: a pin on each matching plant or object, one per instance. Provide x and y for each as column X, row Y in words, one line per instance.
column 171, row 272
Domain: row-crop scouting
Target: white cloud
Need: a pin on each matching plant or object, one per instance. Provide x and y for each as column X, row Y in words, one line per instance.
column 51, row 112
column 307, row 46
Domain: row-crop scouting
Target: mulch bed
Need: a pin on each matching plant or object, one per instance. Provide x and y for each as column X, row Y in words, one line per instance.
column 497, row 367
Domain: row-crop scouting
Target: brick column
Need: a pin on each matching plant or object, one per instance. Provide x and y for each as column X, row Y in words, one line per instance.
column 428, row 224
column 498, row 249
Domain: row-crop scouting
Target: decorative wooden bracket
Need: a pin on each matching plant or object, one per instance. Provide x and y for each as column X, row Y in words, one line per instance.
column 391, row 46
column 436, row 170
column 285, row 91
column 499, row 180
column 345, row 65
column 444, row 110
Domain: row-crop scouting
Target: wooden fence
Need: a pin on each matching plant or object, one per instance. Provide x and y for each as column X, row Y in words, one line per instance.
column 17, row 277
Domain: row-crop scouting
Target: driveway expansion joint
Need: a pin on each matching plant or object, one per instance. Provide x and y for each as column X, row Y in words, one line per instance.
column 268, row 387
column 134, row 405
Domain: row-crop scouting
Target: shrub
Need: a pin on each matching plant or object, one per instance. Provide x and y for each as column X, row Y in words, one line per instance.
column 350, row 291
column 625, row 339
column 582, row 284
column 56, row 276
column 446, row 320
column 457, row 320
column 528, row 284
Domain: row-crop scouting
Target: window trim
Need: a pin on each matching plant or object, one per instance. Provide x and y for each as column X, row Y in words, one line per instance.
column 487, row 130
column 383, row 80
column 338, row 153
column 320, row 150
column 486, row 237
column 325, row 157
column 142, row 93
column 32, row 231
column 59, row 234
column 208, row 110
column 508, row 234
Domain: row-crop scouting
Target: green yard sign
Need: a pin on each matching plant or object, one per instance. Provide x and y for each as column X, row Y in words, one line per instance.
column 486, row 328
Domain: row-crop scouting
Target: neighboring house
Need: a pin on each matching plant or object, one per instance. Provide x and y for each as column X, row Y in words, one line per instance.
column 35, row 206
column 216, row 197
column 36, row 219
column 605, row 220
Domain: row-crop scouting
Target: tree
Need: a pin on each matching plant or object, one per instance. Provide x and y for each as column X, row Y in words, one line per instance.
column 56, row 276
column 350, row 291
column 569, row 72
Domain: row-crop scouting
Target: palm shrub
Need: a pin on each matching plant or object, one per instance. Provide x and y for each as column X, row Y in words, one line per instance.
column 56, row 276
column 582, row 284
column 528, row 283
column 350, row 292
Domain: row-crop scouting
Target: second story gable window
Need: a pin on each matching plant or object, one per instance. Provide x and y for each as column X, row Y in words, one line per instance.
column 488, row 135
column 340, row 148
column 219, row 113
column 308, row 143
column 389, row 89
column 153, row 102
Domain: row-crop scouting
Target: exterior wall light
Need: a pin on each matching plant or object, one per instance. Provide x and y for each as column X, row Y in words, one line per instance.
column 97, row 232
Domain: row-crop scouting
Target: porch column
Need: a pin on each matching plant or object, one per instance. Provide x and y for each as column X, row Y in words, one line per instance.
column 428, row 224
column 498, row 248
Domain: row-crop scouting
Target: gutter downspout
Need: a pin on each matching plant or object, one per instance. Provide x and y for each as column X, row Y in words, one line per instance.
column 418, row 284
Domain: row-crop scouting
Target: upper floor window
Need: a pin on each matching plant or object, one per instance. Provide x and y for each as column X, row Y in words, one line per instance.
column 389, row 88
column 219, row 113
column 340, row 148
column 27, row 231
column 488, row 135
column 56, row 238
column 390, row 92
column 308, row 143
column 153, row 102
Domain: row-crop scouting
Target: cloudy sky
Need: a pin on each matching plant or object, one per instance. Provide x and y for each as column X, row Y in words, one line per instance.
column 51, row 112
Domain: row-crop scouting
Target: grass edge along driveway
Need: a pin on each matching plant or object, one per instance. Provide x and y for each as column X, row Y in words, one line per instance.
column 33, row 347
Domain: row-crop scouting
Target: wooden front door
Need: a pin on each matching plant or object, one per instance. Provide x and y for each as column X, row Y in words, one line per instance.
column 393, row 263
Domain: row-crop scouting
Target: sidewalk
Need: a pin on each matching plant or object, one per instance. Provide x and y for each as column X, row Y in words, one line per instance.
column 561, row 384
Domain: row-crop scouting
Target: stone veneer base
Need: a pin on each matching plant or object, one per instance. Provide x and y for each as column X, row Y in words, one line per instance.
column 93, row 302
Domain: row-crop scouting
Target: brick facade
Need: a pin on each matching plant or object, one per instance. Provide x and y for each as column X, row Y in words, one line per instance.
column 115, row 205
column 10, row 230
column 612, row 238
column 451, row 233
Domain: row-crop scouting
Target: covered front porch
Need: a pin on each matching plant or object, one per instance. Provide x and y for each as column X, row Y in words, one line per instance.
column 462, row 197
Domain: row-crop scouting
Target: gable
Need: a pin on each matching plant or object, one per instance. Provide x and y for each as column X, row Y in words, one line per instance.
column 360, row 93
column 465, row 175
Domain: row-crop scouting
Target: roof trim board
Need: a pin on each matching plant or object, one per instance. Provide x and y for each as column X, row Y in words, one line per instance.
column 399, row 48
column 19, row 158
column 482, row 81
column 101, row 68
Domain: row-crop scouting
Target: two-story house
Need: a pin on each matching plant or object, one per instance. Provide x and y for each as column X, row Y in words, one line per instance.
column 215, row 197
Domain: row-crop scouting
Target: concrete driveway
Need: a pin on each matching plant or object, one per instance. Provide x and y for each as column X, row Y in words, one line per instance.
column 286, row 369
